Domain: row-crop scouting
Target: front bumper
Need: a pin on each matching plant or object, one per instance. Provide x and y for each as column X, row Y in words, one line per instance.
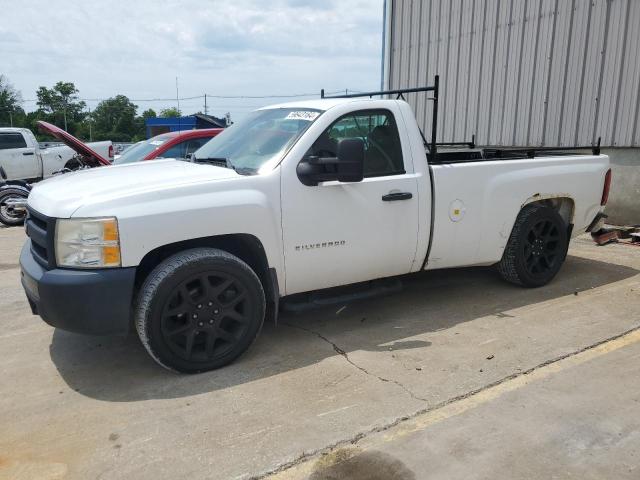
column 95, row 302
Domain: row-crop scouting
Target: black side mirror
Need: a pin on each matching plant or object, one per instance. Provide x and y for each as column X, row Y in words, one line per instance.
column 351, row 160
column 347, row 166
column 3, row 174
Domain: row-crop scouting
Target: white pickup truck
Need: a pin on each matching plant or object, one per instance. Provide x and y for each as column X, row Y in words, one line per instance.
column 22, row 158
column 295, row 198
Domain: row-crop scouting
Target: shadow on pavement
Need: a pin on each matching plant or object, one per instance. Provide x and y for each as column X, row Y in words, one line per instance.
column 119, row 369
column 368, row 465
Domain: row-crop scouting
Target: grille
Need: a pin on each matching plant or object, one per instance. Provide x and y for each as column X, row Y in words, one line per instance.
column 41, row 230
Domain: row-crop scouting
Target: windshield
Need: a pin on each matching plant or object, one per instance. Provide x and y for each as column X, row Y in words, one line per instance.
column 140, row 150
column 261, row 136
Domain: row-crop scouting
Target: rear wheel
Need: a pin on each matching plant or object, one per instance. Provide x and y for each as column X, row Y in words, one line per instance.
column 199, row 310
column 536, row 249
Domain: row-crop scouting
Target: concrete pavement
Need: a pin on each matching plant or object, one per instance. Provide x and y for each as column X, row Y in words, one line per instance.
column 566, row 419
column 80, row 407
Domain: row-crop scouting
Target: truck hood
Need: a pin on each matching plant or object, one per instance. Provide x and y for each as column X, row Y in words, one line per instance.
column 60, row 196
column 94, row 158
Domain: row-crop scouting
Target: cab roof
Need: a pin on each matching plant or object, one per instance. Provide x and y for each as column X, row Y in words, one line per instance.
column 320, row 103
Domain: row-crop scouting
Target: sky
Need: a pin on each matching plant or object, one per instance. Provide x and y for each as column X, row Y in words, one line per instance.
column 229, row 48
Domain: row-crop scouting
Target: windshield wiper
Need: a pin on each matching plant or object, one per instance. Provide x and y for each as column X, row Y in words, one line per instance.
column 224, row 162
column 217, row 161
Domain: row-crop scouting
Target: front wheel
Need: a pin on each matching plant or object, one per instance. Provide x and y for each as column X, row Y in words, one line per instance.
column 536, row 248
column 8, row 215
column 199, row 310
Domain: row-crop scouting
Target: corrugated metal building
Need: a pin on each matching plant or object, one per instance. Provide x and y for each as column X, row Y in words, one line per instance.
column 521, row 72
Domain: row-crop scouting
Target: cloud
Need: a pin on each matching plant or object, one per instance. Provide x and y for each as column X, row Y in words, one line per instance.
column 312, row 4
column 137, row 48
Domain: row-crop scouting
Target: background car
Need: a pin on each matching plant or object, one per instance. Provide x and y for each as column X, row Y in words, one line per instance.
column 168, row 145
column 24, row 159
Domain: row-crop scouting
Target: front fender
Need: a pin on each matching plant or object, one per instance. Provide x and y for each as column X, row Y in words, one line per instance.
column 246, row 205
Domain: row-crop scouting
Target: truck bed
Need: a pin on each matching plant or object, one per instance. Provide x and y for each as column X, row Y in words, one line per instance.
column 478, row 195
column 466, row 155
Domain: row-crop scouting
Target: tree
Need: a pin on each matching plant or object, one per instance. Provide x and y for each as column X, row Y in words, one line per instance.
column 171, row 112
column 115, row 119
column 10, row 102
column 60, row 105
column 141, row 127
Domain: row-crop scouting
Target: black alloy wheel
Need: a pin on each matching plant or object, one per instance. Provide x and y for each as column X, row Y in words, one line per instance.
column 199, row 310
column 542, row 249
column 205, row 316
column 536, row 248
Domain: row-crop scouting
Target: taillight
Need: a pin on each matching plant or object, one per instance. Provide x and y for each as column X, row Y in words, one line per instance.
column 110, row 151
column 607, row 187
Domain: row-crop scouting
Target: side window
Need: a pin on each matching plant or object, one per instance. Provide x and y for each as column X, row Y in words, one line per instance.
column 194, row 144
column 177, row 151
column 377, row 129
column 12, row 140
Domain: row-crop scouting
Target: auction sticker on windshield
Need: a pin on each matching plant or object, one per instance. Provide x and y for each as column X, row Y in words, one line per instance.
column 303, row 115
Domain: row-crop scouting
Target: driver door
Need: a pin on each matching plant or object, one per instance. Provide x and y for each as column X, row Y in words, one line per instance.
column 341, row 233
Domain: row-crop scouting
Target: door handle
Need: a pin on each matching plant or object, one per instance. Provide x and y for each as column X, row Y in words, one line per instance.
column 392, row 197
column 27, row 153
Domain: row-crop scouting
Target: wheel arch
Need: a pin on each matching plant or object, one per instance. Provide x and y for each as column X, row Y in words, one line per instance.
column 245, row 246
column 563, row 203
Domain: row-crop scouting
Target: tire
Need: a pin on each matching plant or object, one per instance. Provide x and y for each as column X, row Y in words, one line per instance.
column 199, row 310
column 536, row 248
column 7, row 216
column 72, row 165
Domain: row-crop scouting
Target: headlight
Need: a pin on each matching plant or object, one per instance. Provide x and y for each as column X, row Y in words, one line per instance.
column 87, row 243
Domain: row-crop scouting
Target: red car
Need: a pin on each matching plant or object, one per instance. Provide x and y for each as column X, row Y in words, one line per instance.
column 168, row 145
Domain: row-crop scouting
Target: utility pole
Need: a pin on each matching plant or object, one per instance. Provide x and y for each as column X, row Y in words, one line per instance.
column 178, row 102
column 64, row 112
column 205, row 104
column 177, row 95
column 90, row 133
column 10, row 118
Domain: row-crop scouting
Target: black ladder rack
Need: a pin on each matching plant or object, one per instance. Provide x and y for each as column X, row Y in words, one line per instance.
column 493, row 152
column 470, row 144
column 502, row 152
column 433, row 146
